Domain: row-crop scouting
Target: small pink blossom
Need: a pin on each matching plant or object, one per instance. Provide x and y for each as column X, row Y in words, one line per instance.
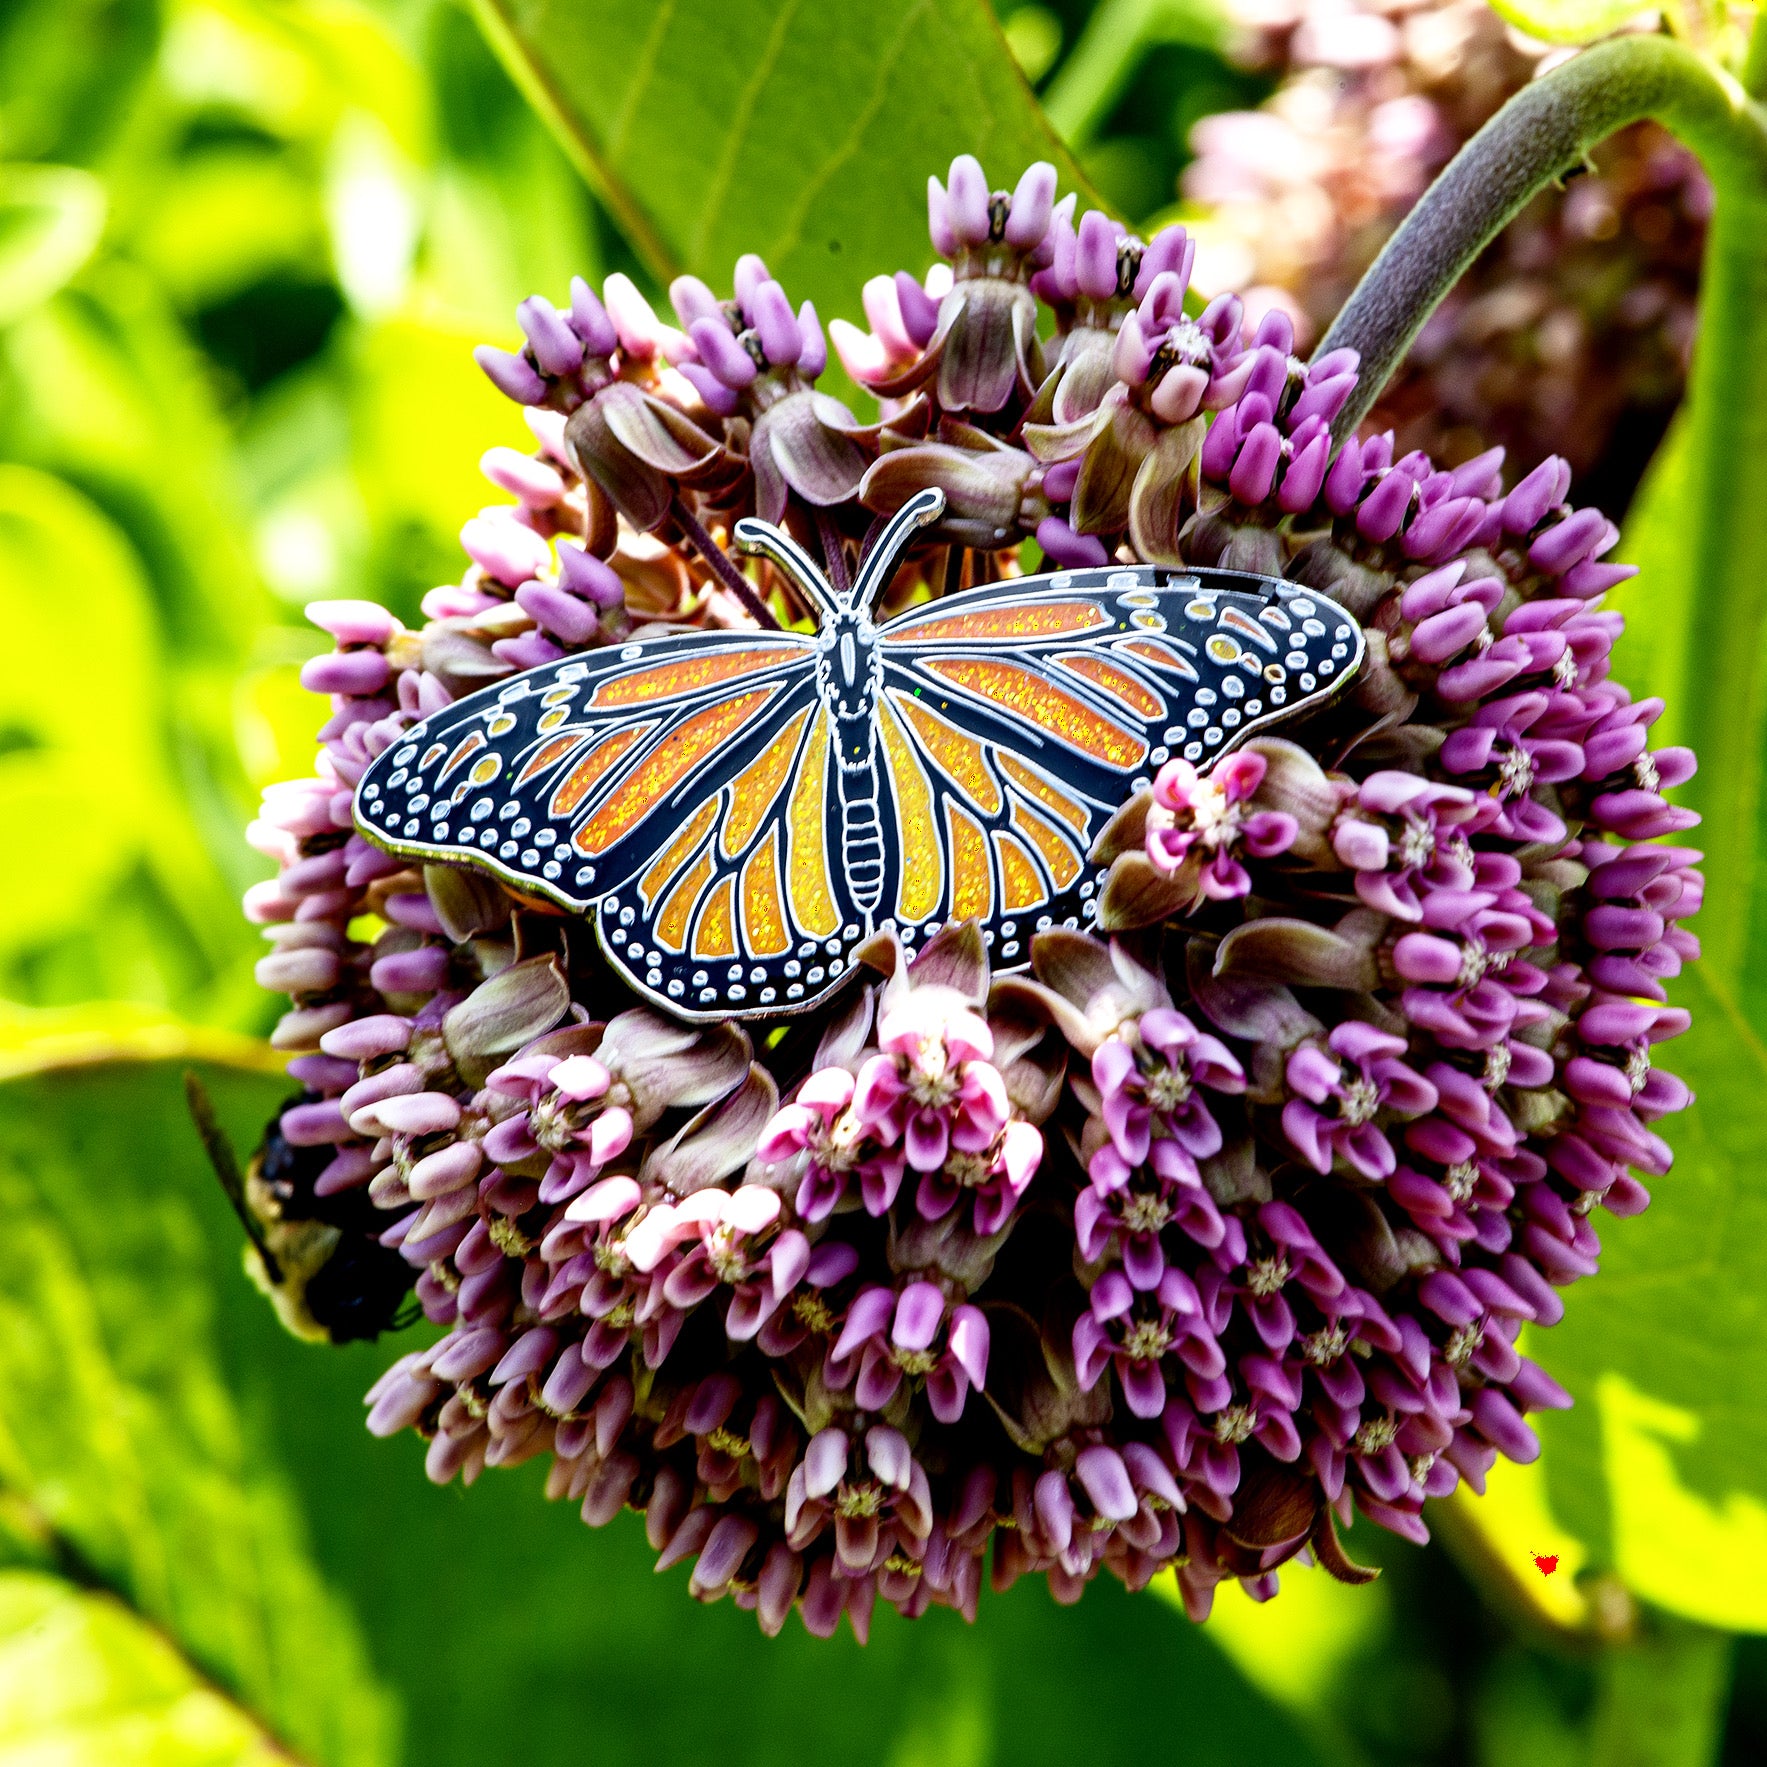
column 1360, row 1075
column 1200, row 819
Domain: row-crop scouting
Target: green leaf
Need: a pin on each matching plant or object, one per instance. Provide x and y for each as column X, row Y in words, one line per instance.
column 1664, row 1463
column 85, row 1683
column 801, row 131
column 1566, row 21
column 127, row 1468
column 82, row 783
column 498, row 1615
column 50, row 220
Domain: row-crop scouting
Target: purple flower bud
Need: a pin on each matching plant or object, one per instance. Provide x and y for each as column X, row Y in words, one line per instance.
column 692, row 300
column 920, row 312
column 590, row 322
column 513, row 376
column 771, row 315
column 557, row 348
column 1171, row 252
column 967, row 201
column 561, row 614
column 1570, row 541
column 750, row 274
column 938, row 220
column 1254, row 471
column 813, row 346
column 355, row 672
column 1525, row 507
column 722, row 354
column 1033, row 200
column 1383, row 510
column 584, row 574
column 1095, row 266
column 1305, row 476
column 1066, row 548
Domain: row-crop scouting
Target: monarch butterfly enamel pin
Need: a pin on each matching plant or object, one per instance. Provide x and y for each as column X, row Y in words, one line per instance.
column 743, row 809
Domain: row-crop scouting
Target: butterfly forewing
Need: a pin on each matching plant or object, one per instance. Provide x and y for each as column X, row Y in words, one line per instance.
column 572, row 776
column 687, row 786
column 1017, row 719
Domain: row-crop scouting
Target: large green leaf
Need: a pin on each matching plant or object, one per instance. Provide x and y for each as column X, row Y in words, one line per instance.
column 85, row 1683
column 127, row 1468
column 1664, row 1465
column 83, row 780
column 499, row 1616
column 801, row 131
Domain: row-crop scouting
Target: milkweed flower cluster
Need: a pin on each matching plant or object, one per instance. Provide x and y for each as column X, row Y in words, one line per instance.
column 1572, row 333
column 1182, row 1249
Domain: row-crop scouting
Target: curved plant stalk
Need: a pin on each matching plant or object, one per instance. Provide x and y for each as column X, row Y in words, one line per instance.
column 1542, row 133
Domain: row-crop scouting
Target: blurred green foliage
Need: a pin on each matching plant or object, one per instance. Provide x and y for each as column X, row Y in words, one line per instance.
column 245, row 248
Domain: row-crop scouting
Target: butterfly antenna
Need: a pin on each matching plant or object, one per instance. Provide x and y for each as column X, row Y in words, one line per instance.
column 226, row 1165
column 879, row 564
column 770, row 542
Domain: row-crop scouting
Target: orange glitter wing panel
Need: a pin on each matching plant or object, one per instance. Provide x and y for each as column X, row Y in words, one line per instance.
column 972, row 877
column 1131, row 694
column 593, row 768
column 958, row 757
column 714, row 934
column 1003, row 623
column 755, row 790
column 921, row 869
column 807, row 820
column 1021, row 884
column 1050, row 709
column 1063, row 857
column 1046, row 792
column 690, row 675
column 674, row 855
column 763, row 901
column 665, row 766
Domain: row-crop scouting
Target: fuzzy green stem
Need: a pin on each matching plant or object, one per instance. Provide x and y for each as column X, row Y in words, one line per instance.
column 1544, row 131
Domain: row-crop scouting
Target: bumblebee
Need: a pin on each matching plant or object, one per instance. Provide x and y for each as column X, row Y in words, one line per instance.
column 318, row 1259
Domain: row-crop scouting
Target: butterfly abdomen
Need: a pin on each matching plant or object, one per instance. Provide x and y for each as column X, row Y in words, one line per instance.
column 862, row 842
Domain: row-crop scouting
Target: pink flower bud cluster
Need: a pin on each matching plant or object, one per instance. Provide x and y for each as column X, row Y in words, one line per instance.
column 1184, row 1250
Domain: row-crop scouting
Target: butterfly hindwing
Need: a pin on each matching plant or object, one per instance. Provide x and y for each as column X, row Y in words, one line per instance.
column 748, row 909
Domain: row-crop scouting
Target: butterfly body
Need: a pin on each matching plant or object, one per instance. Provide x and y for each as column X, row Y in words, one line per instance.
column 741, row 810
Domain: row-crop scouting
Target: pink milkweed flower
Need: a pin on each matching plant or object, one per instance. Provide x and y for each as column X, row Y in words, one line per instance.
column 1197, row 820
column 1134, row 1333
column 893, row 1336
column 1151, row 1076
column 1429, row 847
column 934, row 1092
column 1126, row 1222
column 873, row 1491
column 1360, row 1074
column 1289, row 1255
column 820, row 1129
